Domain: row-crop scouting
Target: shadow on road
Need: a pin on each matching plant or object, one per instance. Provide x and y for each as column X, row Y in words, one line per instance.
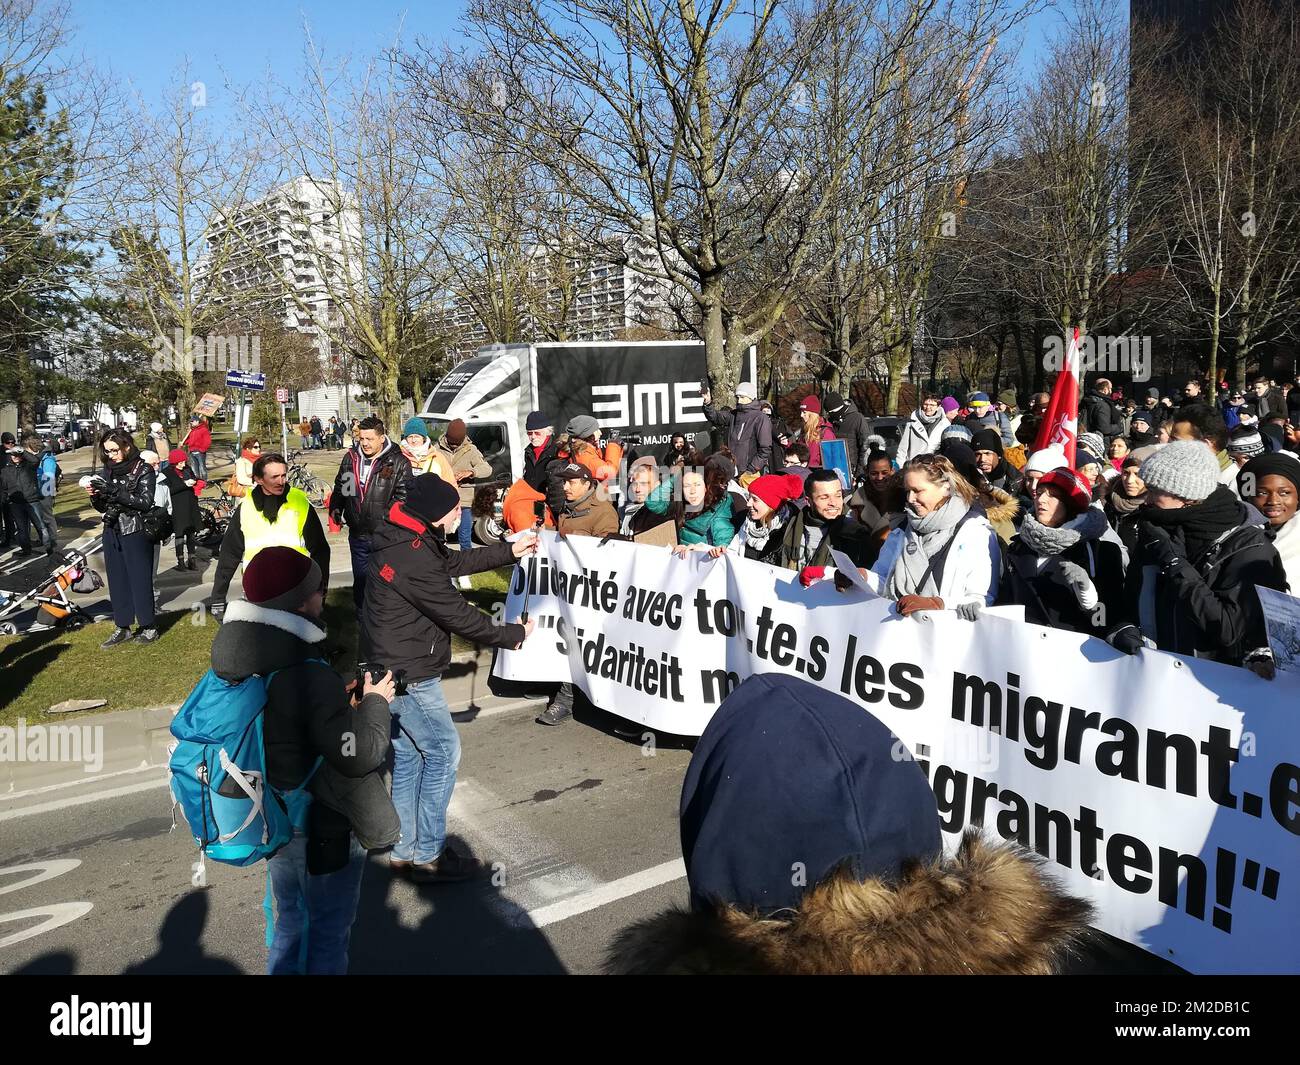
column 180, row 951
column 470, row 929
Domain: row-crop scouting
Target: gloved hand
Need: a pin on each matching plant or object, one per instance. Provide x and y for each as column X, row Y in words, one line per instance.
column 910, row 604
column 1076, row 578
column 1261, row 663
column 969, row 611
column 1157, row 544
column 809, row 574
column 1128, row 639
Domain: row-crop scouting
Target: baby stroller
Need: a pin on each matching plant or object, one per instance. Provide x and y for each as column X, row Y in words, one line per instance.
column 50, row 593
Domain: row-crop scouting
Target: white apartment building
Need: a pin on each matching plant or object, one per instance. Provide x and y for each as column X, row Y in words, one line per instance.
column 288, row 248
column 611, row 288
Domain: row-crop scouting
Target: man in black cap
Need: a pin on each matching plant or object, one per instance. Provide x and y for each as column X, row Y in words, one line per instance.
column 542, row 450
column 584, row 513
column 851, row 427
column 411, row 609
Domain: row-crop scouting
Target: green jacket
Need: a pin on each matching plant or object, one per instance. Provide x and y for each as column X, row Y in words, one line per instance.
column 713, row 527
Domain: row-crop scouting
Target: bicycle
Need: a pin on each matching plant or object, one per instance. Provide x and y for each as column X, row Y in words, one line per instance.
column 302, row 478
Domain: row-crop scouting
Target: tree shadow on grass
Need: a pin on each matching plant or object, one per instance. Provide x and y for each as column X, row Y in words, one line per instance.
column 23, row 659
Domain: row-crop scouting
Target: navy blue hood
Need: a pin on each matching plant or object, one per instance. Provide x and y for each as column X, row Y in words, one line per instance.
column 787, row 777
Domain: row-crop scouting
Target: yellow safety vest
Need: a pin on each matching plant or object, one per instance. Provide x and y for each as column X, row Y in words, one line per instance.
column 285, row 532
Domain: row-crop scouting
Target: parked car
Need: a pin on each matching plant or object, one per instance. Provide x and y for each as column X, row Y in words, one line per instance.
column 54, row 440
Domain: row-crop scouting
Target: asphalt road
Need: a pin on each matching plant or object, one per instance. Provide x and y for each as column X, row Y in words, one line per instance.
column 579, row 826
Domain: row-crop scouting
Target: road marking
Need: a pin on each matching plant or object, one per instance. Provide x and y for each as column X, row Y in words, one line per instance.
column 604, row 894
column 81, row 800
column 49, row 870
column 44, row 788
column 59, row 914
column 56, row 915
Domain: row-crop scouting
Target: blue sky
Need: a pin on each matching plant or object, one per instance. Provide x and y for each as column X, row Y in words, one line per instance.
column 144, row 42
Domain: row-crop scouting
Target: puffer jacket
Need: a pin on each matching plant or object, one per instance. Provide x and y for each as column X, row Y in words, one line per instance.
column 1207, row 606
column 309, row 716
column 363, row 509
column 411, row 608
column 127, row 498
column 749, row 435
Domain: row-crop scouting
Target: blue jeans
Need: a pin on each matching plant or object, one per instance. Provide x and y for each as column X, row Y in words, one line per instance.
column 466, row 530
column 320, row 909
column 426, row 752
column 199, row 464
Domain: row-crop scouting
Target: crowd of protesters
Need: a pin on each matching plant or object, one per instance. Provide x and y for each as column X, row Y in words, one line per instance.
column 1155, row 536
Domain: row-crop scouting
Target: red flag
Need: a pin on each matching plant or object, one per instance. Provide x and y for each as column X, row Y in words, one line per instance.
column 1060, row 426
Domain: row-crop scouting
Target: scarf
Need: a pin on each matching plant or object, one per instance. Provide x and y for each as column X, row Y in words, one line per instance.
column 930, row 422
column 1044, row 540
column 1122, row 504
column 1196, row 528
column 756, row 534
column 922, row 539
column 417, row 452
column 121, row 469
column 252, row 456
column 1286, row 538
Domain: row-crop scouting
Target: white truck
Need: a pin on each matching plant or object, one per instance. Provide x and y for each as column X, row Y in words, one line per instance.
column 641, row 392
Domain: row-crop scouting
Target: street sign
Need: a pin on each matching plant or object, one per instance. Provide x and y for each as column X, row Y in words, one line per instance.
column 282, row 395
column 246, row 379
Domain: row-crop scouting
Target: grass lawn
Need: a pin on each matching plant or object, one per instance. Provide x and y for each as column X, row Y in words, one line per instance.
column 45, row 668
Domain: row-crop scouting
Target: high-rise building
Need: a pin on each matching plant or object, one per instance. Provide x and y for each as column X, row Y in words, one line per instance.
column 599, row 290
column 287, row 250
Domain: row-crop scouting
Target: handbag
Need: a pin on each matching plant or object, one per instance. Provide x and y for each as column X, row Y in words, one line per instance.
column 234, row 488
column 157, row 525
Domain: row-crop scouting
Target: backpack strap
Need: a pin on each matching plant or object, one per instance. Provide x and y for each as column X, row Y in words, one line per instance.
column 935, row 565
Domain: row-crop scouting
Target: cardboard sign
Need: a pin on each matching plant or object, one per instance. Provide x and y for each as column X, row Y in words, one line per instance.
column 209, row 404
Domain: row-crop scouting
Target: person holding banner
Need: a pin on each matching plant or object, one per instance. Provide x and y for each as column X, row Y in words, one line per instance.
column 1058, row 567
column 1201, row 554
column 703, row 514
column 946, row 554
column 1271, row 483
column 197, row 442
column 771, row 507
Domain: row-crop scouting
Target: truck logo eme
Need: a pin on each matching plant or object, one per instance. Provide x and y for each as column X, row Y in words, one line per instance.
column 622, row 406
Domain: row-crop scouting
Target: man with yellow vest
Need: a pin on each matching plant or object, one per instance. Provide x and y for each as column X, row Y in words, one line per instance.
column 271, row 515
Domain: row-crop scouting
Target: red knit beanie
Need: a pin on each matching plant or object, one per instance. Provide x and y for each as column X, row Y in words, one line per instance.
column 280, row 578
column 1078, row 496
column 776, row 488
column 811, row 403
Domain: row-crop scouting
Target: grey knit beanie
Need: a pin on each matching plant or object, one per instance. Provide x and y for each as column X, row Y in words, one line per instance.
column 1184, row 468
column 1092, row 442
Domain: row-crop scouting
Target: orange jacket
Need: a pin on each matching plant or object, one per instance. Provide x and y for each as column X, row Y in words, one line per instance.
column 603, row 466
column 517, row 507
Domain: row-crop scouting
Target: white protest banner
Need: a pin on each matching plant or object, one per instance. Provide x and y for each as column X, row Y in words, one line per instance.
column 1164, row 789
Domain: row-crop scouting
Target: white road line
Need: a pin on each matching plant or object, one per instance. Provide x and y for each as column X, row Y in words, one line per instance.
column 81, row 800
column 11, row 796
column 604, row 894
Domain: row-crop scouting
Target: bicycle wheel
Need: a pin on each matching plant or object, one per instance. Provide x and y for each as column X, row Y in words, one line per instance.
column 315, row 491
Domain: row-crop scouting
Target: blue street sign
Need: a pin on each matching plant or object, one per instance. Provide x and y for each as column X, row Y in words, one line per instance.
column 246, row 379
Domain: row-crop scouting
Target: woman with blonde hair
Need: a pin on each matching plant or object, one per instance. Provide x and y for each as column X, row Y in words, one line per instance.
column 945, row 556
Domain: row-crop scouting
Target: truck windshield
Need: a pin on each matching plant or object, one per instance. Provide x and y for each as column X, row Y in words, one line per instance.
column 490, row 438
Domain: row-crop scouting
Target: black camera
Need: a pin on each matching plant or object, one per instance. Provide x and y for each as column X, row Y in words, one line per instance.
column 628, row 438
column 539, row 510
column 375, row 673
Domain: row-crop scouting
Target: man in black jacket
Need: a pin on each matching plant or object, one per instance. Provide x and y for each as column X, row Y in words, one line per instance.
column 851, row 427
column 410, row 613
column 1101, row 414
column 312, row 732
column 18, row 484
column 748, row 429
column 371, row 478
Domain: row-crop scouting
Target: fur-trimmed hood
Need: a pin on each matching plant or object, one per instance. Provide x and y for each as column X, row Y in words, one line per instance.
column 992, row 909
column 1000, row 506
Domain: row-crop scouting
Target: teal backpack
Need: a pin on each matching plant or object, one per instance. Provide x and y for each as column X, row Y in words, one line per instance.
column 217, row 773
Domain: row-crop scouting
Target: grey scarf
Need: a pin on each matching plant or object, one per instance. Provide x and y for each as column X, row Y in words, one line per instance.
column 757, row 533
column 1044, row 541
column 922, row 539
